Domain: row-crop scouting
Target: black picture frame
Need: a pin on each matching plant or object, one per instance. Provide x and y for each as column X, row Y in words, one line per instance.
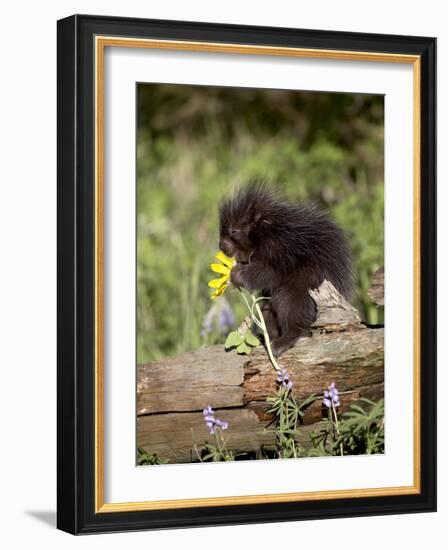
column 76, row 285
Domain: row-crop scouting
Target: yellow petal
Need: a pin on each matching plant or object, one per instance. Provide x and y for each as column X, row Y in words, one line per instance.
column 219, row 291
column 219, row 268
column 217, row 283
column 229, row 262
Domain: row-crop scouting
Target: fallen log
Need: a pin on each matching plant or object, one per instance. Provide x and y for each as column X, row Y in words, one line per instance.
column 172, row 392
column 376, row 291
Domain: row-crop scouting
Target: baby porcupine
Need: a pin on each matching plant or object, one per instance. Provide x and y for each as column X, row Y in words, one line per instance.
column 283, row 249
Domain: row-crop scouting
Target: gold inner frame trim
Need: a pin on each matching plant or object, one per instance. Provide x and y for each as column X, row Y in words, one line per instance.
column 101, row 42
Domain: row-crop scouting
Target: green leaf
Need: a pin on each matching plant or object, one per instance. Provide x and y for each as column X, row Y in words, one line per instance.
column 358, row 409
column 234, row 339
column 251, row 339
column 306, row 402
column 369, row 401
column 244, row 349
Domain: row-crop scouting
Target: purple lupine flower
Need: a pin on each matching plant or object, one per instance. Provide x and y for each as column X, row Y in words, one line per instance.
column 211, row 422
column 283, row 379
column 219, row 319
column 209, row 418
column 221, row 424
column 331, row 396
column 226, row 320
column 207, row 323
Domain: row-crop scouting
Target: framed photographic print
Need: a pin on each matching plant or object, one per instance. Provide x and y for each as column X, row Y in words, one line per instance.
column 246, row 274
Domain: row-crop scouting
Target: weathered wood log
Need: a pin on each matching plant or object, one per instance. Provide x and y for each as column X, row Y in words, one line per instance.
column 333, row 310
column 351, row 359
column 376, row 291
column 190, row 381
column 181, row 437
column 172, row 392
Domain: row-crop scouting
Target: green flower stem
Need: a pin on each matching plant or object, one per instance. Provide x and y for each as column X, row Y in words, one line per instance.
column 258, row 319
column 217, row 439
column 221, row 445
column 267, row 340
column 336, row 425
column 254, row 319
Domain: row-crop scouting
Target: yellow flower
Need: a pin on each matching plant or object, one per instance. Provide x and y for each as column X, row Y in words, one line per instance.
column 224, row 269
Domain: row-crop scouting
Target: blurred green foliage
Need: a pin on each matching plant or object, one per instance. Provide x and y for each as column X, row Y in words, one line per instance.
column 195, row 143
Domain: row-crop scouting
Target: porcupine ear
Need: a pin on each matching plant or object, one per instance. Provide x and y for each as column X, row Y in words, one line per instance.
column 259, row 218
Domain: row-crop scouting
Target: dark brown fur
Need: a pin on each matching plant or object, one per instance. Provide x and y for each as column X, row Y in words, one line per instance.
column 283, row 249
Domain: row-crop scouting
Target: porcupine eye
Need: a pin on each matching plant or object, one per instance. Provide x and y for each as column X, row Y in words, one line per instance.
column 235, row 233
